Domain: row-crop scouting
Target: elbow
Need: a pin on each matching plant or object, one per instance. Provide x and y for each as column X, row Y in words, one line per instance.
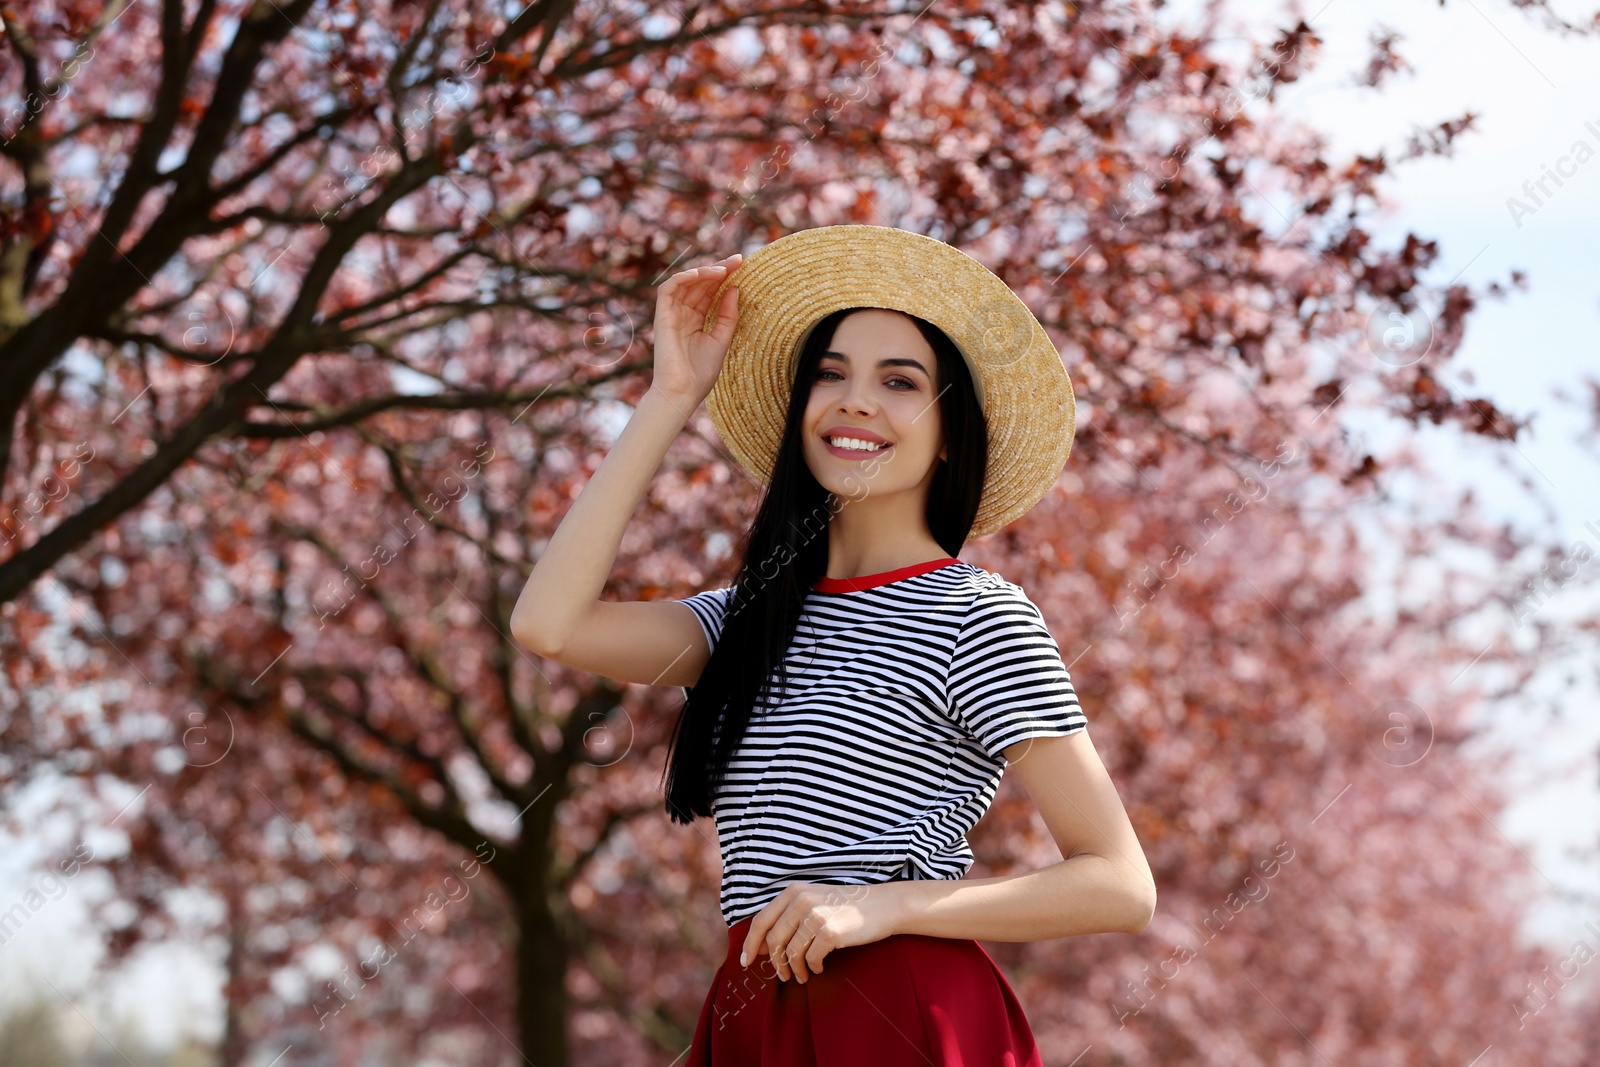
column 1141, row 908
column 533, row 643
column 540, row 644
column 526, row 631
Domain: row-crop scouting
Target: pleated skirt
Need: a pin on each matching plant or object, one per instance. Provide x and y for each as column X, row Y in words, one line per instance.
column 904, row 999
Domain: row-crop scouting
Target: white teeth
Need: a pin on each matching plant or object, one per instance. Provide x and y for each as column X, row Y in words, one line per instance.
column 856, row 444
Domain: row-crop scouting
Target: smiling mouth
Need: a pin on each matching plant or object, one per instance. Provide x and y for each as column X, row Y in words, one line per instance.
column 855, row 444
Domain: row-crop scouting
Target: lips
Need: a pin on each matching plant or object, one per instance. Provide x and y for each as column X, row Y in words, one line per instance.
column 861, row 433
column 853, row 453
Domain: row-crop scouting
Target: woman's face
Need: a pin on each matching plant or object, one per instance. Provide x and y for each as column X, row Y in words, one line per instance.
column 875, row 383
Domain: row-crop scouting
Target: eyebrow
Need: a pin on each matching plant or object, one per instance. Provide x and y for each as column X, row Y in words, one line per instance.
column 892, row 361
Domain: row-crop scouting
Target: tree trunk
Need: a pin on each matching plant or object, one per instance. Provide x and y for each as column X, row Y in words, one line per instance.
column 542, row 957
column 235, row 1042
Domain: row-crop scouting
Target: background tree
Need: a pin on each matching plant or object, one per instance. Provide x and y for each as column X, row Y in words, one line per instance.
column 301, row 371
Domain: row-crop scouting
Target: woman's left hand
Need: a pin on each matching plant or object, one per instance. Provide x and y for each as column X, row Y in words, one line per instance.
column 807, row 921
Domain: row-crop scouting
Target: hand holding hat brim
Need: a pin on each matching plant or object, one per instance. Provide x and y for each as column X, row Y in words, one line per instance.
column 696, row 315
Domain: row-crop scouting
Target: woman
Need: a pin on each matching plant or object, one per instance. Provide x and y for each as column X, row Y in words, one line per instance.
column 855, row 695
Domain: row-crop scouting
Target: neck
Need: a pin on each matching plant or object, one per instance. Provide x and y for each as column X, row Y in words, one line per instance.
column 860, row 542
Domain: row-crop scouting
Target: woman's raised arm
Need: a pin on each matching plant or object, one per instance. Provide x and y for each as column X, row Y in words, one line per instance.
column 560, row 614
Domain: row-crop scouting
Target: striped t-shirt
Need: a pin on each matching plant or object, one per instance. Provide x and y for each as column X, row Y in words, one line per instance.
column 904, row 688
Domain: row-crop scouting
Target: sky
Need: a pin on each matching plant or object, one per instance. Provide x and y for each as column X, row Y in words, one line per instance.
column 1537, row 97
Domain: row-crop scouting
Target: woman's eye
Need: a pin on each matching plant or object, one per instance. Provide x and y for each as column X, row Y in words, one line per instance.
column 833, row 375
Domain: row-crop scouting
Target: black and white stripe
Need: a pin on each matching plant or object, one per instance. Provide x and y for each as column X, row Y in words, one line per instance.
column 885, row 749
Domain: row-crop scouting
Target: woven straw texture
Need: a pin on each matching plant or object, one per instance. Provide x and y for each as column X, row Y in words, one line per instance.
column 797, row 280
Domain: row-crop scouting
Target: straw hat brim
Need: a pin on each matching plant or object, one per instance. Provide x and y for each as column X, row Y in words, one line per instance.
column 788, row 286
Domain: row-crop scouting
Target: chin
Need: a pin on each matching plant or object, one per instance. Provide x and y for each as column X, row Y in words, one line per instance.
column 847, row 479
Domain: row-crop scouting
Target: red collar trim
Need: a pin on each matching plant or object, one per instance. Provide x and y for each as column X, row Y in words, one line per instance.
column 868, row 581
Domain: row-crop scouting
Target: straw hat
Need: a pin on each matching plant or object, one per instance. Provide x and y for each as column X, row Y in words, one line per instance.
column 788, row 286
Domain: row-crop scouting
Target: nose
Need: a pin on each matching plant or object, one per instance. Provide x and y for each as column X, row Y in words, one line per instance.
column 858, row 397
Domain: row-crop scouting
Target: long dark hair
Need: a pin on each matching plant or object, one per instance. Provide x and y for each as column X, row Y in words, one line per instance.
column 786, row 550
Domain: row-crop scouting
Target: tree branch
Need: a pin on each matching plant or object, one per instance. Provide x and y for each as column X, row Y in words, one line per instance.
column 564, row 873
column 223, row 412
column 312, row 676
column 460, row 401
column 105, row 279
column 425, row 662
column 452, row 826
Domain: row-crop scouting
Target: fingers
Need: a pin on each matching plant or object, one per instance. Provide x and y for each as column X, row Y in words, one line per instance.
column 814, row 956
column 769, row 933
column 727, row 315
column 793, row 946
column 698, row 280
column 708, row 278
column 791, row 932
column 705, row 287
column 700, row 275
column 787, row 958
column 799, row 954
column 686, row 297
column 779, row 945
column 756, row 935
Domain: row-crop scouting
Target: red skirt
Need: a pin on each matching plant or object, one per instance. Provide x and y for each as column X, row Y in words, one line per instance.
column 907, row 998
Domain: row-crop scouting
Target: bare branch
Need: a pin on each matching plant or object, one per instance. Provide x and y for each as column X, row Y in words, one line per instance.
column 426, row 663
column 330, row 121
column 565, row 872
column 452, row 826
column 313, row 678
column 106, row 279
column 460, row 401
column 223, row 413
